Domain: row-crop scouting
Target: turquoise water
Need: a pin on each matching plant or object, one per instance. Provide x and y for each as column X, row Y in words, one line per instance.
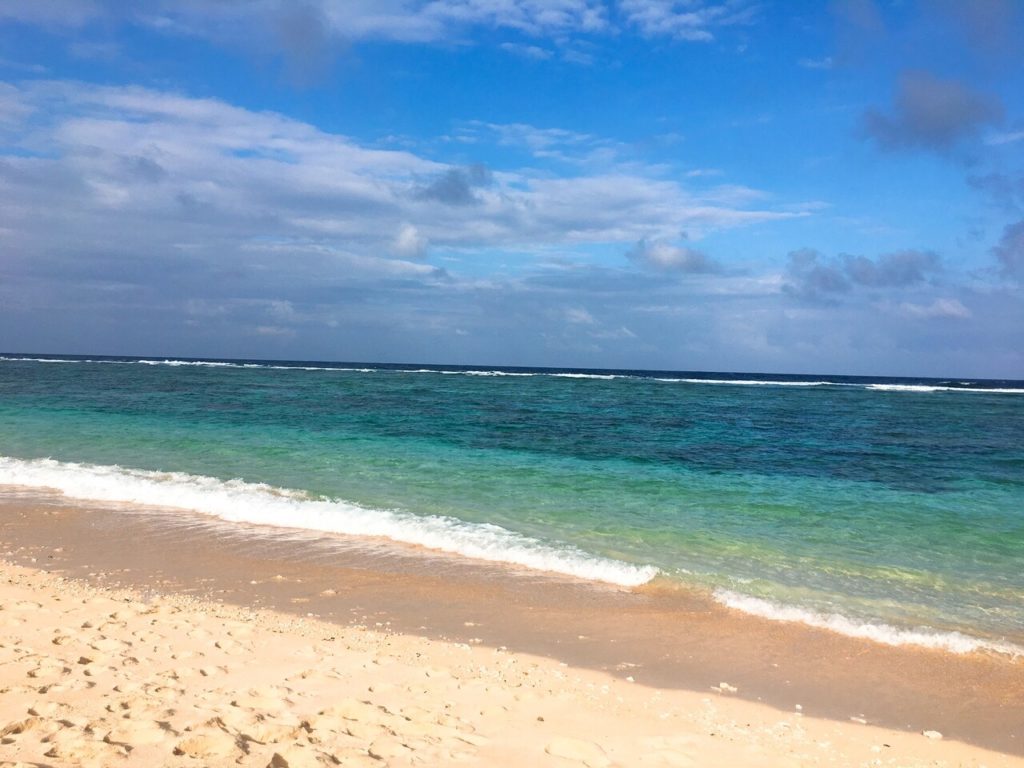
column 883, row 507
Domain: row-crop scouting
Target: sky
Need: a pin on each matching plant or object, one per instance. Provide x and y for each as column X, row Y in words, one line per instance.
column 737, row 185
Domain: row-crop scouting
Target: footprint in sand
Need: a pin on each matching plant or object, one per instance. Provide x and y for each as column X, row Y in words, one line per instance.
column 214, row 744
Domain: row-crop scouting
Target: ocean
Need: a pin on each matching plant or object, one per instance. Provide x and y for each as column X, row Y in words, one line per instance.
column 884, row 508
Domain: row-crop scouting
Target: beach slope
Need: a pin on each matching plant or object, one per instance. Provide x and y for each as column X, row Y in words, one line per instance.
column 104, row 677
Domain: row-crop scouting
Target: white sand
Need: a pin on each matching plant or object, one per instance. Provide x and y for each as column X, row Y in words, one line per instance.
column 115, row 678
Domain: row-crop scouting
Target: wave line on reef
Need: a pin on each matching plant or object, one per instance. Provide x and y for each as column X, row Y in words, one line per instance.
column 634, row 376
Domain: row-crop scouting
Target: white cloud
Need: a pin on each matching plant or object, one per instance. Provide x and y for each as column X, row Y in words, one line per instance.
column 947, row 308
column 58, row 13
column 543, row 143
column 691, row 20
column 582, row 58
column 429, row 21
column 526, row 51
column 409, row 242
column 663, row 256
column 274, row 330
column 734, row 194
column 272, row 22
column 579, row 316
column 823, row 63
column 13, row 107
column 281, row 310
column 35, row 69
column 258, row 174
column 998, row 139
column 614, row 334
column 405, row 21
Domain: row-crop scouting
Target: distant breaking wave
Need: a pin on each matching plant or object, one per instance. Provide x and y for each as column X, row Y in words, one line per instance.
column 193, row 363
column 954, row 642
column 483, row 372
column 759, row 382
column 243, row 502
column 942, row 388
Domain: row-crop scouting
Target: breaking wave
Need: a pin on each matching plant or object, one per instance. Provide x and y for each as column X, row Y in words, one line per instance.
column 954, row 642
column 258, row 503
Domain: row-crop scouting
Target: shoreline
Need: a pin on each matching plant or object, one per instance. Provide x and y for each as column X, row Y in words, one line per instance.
column 662, row 640
column 498, row 548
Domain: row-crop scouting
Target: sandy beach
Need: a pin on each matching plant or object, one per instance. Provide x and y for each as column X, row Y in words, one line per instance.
column 107, row 663
column 114, row 677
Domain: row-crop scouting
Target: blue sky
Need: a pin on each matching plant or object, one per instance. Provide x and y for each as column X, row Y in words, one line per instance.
column 672, row 184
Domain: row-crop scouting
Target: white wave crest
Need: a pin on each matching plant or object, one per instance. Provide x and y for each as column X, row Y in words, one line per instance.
column 939, row 388
column 262, row 504
column 171, row 363
column 41, row 360
column 604, row 376
column 494, row 373
column 755, row 382
column 190, row 363
column 954, row 642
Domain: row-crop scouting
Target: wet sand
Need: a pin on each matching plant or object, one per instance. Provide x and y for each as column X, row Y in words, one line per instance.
column 664, row 640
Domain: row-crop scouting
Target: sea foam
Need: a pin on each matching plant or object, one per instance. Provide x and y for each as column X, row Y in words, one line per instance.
column 245, row 502
column 954, row 642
